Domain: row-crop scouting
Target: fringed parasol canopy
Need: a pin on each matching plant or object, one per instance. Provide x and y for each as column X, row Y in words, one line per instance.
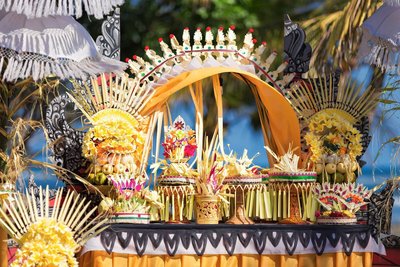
column 55, row 45
column 381, row 38
column 44, row 8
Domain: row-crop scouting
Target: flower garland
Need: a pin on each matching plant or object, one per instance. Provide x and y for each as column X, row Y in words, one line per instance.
column 180, row 141
column 113, row 136
column 179, row 144
column 331, row 134
column 47, row 243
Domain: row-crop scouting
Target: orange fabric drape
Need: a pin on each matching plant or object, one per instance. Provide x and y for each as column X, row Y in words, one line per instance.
column 283, row 121
column 102, row 259
column 3, row 248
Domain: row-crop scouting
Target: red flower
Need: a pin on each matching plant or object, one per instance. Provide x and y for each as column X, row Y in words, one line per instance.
column 179, row 125
column 189, row 150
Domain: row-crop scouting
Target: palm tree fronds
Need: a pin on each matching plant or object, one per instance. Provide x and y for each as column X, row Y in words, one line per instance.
column 335, row 37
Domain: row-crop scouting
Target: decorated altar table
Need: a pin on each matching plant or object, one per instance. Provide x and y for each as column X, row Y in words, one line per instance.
column 232, row 245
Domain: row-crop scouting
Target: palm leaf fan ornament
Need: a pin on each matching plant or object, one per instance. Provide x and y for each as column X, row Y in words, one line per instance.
column 120, row 137
column 110, row 95
column 335, row 126
column 323, row 95
column 59, row 230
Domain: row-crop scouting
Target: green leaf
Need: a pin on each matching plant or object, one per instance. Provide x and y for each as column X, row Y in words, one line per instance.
column 387, row 101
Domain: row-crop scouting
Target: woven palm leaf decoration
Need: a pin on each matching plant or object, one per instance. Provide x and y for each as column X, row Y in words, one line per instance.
column 49, row 236
column 335, row 123
column 194, row 53
column 118, row 96
column 119, row 140
column 181, row 63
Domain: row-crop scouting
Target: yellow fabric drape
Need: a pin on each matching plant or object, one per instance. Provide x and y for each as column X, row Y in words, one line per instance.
column 283, row 121
column 102, row 259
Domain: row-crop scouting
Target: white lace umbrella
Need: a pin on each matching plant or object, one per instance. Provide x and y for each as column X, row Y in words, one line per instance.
column 380, row 43
column 392, row 2
column 44, row 8
column 54, row 45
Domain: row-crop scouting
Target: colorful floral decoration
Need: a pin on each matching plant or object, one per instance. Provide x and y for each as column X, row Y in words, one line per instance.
column 49, row 237
column 179, row 146
column 211, row 167
column 114, row 147
column 47, row 243
column 334, row 121
column 118, row 143
column 132, row 197
column 180, row 141
column 335, row 146
column 341, row 200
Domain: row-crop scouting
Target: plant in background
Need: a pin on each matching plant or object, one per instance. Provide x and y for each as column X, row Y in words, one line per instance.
column 20, row 116
column 334, row 35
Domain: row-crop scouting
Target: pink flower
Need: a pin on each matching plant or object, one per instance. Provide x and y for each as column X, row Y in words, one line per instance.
column 189, row 150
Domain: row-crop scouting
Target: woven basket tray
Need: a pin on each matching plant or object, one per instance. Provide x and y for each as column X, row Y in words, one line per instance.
column 130, row 217
column 336, row 220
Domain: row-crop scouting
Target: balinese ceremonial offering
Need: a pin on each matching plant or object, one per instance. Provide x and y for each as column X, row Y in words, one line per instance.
column 118, row 141
column 179, row 146
column 209, row 185
column 178, row 203
column 205, row 55
column 175, row 184
column 290, row 190
column 49, row 237
column 238, row 173
column 340, row 202
column 118, row 144
column 335, row 124
column 133, row 204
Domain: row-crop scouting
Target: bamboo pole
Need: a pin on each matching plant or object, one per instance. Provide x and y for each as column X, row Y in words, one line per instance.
column 3, row 247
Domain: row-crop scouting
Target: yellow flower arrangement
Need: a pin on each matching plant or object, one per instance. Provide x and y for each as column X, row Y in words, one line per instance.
column 47, row 242
column 330, row 134
column 113, row 137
